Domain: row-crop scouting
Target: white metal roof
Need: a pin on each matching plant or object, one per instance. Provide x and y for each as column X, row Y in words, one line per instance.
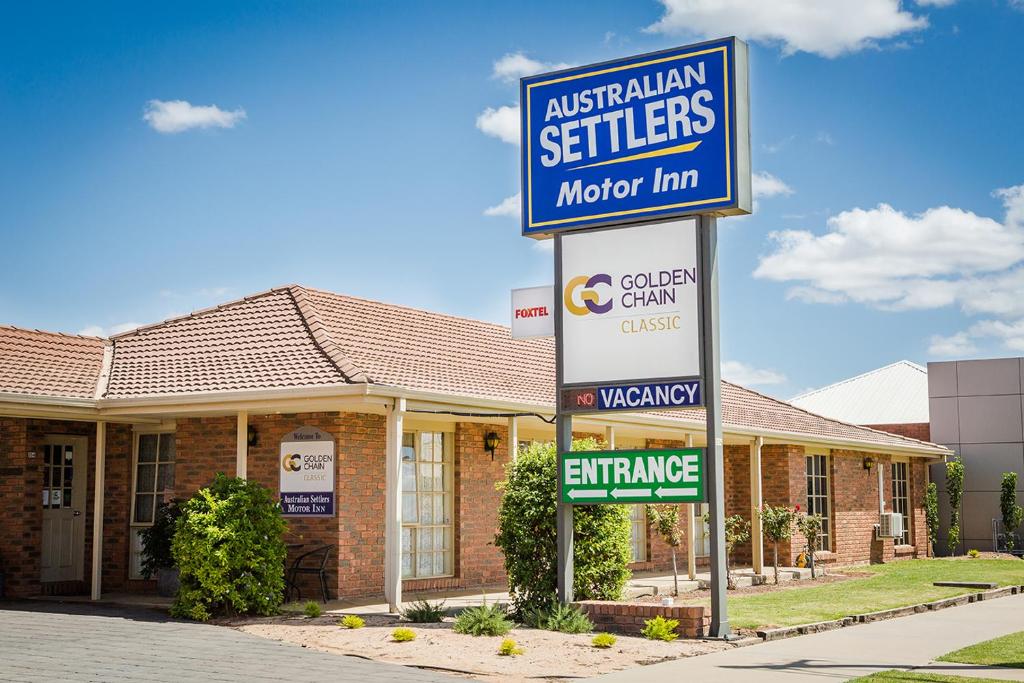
column 894, row 394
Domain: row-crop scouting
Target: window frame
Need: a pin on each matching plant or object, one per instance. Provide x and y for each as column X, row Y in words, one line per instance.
column 135, row 527
column 896, row 463
column 825, row 477
column 447, row 491
column 638, row 544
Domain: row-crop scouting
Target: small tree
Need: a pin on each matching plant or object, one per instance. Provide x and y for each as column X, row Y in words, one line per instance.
column 737, row 530
column 931, row 513
column 527, row 535
column 777, row 526
column 955, row 490
column 1012, row 513
column 810, row 526
column 228, row 544
column 665, row 519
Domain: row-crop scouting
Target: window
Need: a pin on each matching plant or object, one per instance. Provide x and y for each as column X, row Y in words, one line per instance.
column 638, row 532
column 702, row 544
column 900, row 499
column 818, row 497
column 153, row 483
column 58, row 473
column 427, row 546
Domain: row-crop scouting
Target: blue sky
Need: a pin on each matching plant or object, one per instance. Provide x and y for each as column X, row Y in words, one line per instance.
column 357, row 147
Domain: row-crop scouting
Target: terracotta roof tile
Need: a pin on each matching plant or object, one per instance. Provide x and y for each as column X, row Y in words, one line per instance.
column 48, row 363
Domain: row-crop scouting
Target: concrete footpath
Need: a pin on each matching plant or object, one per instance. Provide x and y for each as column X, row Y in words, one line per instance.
column 906, row 643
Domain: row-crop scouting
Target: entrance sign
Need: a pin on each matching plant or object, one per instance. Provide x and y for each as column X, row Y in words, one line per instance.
column 533, row 312
column 307, row 473
column 682, row 394
column 658, row 135
column 642, row 476
column 630, row 301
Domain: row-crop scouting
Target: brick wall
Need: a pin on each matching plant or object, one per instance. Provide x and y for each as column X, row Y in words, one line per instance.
column 694, row 620
column 480, row 562
column 784, row 482
column 915, row 430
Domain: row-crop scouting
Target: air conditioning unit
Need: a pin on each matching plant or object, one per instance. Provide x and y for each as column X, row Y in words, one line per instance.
column 890, row 525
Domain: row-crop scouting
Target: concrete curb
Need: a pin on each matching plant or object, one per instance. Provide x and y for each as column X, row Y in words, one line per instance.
column 803, row 629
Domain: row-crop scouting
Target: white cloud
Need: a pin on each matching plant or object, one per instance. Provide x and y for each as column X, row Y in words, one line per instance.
column 766, row 185
column 824, row 27
column 100, row 331
column 501, row 123
column 935, row 3
column 825, row 138
column 956, row 345
column 509, row 206
column 745, row 375
column 891, row 260
column 515, row 65
column 175, row 116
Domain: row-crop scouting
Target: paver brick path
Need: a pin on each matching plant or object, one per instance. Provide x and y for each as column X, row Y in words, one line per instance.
column 65, row 642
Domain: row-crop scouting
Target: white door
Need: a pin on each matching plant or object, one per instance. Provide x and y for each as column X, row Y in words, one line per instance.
column 702, row 544
column 65, row 463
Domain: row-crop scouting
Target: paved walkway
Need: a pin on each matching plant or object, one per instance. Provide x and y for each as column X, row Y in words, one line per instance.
column 906, row 643
column 63, row 642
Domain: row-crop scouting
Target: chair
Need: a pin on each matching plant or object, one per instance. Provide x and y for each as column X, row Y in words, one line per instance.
column 312, row 562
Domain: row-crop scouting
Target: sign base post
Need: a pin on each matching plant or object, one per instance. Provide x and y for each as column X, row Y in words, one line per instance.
column 564, row 521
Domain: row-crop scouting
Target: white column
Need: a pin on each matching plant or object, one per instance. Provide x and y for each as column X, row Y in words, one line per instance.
column 242, row 445
column 691, row 530
column 97, row 510
column 393, row 507
column 756, row 531
column 609, row 438
column 513, row 437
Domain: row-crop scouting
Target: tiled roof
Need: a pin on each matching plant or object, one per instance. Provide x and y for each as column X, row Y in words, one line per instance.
column 49, row 364
column 894, row 394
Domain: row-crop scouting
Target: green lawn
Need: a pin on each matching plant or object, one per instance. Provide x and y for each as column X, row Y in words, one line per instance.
column 1006, row 651
column 890, row 585
column 887, row 676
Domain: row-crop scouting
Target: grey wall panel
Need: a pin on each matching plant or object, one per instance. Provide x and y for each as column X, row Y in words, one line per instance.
column 982, row 544
column 984, row 465
column 937, row 474
column 980, row 508
column 942, row 379
column 945, row 424
column 989, row 419
column 988, row 377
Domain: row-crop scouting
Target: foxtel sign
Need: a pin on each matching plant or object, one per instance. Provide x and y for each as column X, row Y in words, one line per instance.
column 642, row 476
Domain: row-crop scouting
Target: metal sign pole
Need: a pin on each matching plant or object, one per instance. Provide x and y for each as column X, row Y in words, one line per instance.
column 563, row 444
column 713, row 406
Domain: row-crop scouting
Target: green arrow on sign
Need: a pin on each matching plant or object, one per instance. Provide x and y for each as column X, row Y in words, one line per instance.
column 673, row 475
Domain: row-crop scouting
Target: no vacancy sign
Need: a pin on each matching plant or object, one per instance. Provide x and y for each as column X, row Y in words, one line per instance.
column 307, row 473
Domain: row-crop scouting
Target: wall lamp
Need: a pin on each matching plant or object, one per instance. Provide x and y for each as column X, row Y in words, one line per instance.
column 491, row 441
column 868, row 462
column 252, row 437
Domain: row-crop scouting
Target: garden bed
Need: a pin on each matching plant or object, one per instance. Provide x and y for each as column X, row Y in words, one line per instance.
column 547, row 654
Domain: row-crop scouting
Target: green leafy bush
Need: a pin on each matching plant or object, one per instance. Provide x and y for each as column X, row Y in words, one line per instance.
column 603, row 640
column 403, row 635
column 156, row 539
column 955, row 491
column 312, row 609
column 777, row 523
column 563, row 618
column 660, row 628
column 509, row 648
column 931, row 513
column 424, row 612
column 352, row 621
column 811, row 527
column 228, row 547
column 483, row 620
column 527, row 535
column 974, row 553
column 1012, row 513
column 665, row 520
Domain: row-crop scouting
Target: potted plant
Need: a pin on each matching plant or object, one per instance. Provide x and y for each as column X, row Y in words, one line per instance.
column 156, row 549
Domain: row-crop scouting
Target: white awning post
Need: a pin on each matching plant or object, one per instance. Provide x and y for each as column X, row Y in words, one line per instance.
column 97, row 511
column 242, row 445
column 609, row 438
column 756, row 529
column 513, row 437
column 393, row 507
column 691, row 530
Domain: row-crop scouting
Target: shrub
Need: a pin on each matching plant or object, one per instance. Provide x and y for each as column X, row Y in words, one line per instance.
column 665, row 520
column 777, row 525
column 810, row 526
column 483, row 620
column 563, row 618
column 1011, row 512
column 603, row 640
column 228, row 547
column 424, row 612
column 403, row 635
column 974, row 553
column 660, row 628
column 527, row 535
column 955, row 490
column 509, row 648
column 312, row 609
column 352, row 621
column 931, row 513
column 156, row 540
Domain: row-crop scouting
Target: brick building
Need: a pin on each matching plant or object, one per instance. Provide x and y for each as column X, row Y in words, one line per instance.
column 95, row 433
